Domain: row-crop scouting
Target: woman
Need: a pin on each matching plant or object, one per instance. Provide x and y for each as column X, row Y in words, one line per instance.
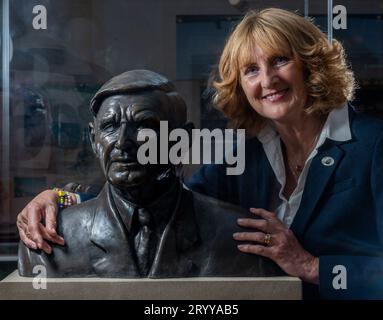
column 314, row 168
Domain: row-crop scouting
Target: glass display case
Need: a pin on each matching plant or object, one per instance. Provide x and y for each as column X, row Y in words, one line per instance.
column 56, row 54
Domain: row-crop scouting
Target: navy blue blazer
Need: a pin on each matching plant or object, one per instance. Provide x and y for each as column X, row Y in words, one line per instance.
column 340, row 218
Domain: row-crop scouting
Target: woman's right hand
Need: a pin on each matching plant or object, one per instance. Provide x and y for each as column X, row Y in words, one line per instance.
column 37, row 222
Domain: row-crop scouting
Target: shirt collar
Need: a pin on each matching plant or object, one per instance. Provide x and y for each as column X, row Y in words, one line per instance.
column 336, row 127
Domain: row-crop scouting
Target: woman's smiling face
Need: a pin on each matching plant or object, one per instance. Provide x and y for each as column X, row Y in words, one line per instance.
column 274, row 86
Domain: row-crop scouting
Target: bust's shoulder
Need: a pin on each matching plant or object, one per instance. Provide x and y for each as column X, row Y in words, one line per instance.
column 213, row 209
column 77, row 218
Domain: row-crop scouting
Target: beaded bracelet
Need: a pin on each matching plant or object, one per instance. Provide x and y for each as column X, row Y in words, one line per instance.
column 64, row 200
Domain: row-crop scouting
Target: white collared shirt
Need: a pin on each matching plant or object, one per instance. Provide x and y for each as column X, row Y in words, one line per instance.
column 336, row 127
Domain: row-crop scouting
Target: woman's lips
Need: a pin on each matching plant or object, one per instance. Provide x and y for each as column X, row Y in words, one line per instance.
column 276, row 96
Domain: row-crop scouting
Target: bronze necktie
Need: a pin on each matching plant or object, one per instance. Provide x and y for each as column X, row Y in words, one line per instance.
column 143, row 243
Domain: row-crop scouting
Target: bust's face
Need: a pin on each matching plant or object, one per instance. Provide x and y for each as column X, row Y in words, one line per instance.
column 118, row 122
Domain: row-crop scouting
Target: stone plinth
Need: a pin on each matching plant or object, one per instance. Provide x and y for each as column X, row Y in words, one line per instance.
column 16, row 287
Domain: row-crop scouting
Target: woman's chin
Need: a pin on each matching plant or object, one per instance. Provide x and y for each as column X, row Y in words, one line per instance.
column 277, row 113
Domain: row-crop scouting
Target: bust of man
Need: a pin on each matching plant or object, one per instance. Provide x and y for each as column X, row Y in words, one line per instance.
column 144, row 223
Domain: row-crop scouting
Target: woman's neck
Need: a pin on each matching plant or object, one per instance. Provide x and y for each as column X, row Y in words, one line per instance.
column 298, row 136
column 298, row 140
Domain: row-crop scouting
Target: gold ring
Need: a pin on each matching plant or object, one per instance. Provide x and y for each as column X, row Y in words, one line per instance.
column 267, row 241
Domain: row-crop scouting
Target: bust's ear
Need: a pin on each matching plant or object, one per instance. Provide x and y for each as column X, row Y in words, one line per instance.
column 92, row 137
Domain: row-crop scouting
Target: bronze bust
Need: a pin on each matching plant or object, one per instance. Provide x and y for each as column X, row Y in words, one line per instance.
column 144, row 223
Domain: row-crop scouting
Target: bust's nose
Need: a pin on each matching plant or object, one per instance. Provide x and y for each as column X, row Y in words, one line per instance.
column 124, row 139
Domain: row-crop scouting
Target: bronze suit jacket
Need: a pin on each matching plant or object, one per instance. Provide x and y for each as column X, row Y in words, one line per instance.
column 197, row 241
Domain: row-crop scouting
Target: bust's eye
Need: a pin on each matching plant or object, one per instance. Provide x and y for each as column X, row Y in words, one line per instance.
column 108, row 125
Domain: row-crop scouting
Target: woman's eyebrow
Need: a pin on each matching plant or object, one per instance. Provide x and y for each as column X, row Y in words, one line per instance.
column 249, row 62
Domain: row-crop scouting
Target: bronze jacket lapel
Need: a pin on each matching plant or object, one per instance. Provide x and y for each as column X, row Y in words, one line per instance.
column 110, row 253
column 180, row 235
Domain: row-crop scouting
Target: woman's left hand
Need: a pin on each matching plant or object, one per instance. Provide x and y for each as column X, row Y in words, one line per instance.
column 277, row 242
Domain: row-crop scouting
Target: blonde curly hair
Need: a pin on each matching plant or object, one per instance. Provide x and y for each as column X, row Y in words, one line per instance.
column 329, row 80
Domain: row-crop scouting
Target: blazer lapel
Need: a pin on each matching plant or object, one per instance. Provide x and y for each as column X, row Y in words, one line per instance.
column 111, row 253
column 321, row 169
column 181, row 234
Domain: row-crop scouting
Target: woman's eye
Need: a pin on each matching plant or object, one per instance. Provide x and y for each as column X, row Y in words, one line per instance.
column 278, row 61
column 252, row 70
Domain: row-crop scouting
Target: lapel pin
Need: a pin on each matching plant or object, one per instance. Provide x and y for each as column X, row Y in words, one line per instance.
column 328, row 161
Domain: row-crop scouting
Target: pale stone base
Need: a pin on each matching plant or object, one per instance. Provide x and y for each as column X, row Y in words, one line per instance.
column 273, row 288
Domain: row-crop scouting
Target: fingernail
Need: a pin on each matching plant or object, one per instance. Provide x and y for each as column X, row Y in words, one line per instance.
column 235, row 235
column 240, row 220
column 34, row 246
column 241, row 246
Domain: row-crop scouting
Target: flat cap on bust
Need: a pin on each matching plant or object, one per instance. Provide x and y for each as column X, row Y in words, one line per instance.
column 128, row 82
